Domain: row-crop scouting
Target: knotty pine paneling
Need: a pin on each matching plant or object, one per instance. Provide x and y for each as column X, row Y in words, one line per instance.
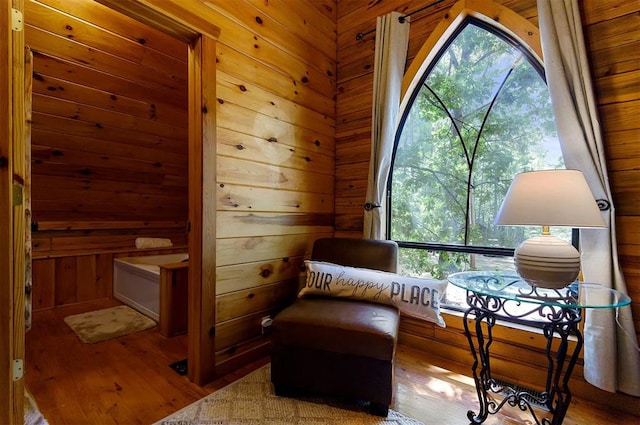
column 276, row 158
column 76, row 278
column 109, row 138
column 611, row 32
column 110, row 145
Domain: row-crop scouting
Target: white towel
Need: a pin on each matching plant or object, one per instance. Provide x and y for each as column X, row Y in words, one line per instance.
column 153, row 243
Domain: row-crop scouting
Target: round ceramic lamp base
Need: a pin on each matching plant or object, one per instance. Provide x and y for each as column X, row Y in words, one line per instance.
column 547, row 262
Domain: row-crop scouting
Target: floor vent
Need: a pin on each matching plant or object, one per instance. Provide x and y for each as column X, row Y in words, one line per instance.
column 533, row 396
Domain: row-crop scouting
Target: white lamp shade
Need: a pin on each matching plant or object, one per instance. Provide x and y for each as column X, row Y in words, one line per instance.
column 550, row 198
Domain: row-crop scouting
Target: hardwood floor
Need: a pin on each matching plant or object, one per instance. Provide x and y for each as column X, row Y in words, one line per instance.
column 128, row 381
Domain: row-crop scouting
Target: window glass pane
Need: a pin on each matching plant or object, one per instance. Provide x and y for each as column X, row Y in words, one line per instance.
column 440, row 264
column 482, row 115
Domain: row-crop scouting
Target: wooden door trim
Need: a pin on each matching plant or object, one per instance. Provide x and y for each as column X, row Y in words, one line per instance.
column 12, row 225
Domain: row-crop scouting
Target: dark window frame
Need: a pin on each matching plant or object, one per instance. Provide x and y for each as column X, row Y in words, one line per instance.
column 459, row 248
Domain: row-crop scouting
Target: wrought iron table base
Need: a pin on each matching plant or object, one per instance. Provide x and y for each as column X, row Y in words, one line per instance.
column 558, row 321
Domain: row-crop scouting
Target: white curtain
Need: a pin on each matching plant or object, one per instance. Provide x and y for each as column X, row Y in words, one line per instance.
column 611, row 357
column 392, row 38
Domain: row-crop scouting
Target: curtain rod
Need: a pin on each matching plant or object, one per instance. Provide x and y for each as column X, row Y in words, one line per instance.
column 401, row 19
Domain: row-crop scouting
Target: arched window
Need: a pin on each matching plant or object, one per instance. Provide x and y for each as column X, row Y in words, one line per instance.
column 480, row 114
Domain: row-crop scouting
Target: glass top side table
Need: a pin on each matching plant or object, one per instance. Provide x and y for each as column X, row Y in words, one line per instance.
column 504, row 295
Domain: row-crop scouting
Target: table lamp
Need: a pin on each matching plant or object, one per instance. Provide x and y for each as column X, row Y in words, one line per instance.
column 549, row 198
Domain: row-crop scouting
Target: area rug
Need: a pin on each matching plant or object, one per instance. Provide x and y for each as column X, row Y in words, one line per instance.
column 32, row 415
column 101, row 325
column 251, row 401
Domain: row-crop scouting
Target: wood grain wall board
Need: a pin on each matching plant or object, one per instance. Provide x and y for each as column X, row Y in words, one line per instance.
column 231, row 359
column 71, row 158
column 239, row 224
column 235, row 117
column 348, row 126
column 93, row 210
column 354, row 153
column 248, row 173
column 177, row 248
column 65, row 141
column 91, row 225
column 239, row 277
column 594, row 11
column 350, row 223
column 351, row 49
column 354, row 149
column 110, row 179
column 70, row 50
column 626, row 194
column 66, row 281
column 356, row 69
column 353, row 171
column 123, row 240
column 48, row 122
column 241, row 303
column 44, row 280
column 103, row 241
column 41, row 243
column 327, row 8
column 301, row 17
column 88, row 185
column 351, row 204
column 242, row 146
column 114, row 196
column 68, row 90
column 258, row 248
column 87, row 285
column 354, row 103
column 619, row 87
column 623, row 167
column 523, row 8
column 356, row 122
column 299, row 70
column 254, row 72
column 247, row 198
column 103, row 117
column 49, row 65
column 318, row 51
column 102, row 174
column 620, row 116
column 104, row 275
column 265, row 102
column 613, row 32
column 614, row 60
column 353, row 12
column 88, row 34
column 621, row 144
column 351, row 188
column 245, row 328
column 122, row 25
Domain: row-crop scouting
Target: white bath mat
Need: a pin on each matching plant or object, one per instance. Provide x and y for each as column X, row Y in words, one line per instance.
column 101, row 325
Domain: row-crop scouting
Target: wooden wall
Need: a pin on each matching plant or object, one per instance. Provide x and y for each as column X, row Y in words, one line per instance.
column 611, row 29
column 276, row 84
column 109, row 127
column 109, row 144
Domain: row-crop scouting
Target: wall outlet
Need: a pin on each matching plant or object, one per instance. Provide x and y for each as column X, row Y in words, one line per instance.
column 266, row 322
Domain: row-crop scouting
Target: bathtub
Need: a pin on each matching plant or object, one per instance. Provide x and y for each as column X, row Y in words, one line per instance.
column 136, row 281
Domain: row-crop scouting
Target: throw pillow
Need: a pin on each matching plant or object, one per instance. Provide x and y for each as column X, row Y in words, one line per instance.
column 412, row 296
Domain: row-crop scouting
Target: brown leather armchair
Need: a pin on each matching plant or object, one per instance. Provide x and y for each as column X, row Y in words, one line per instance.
column 339, row 347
